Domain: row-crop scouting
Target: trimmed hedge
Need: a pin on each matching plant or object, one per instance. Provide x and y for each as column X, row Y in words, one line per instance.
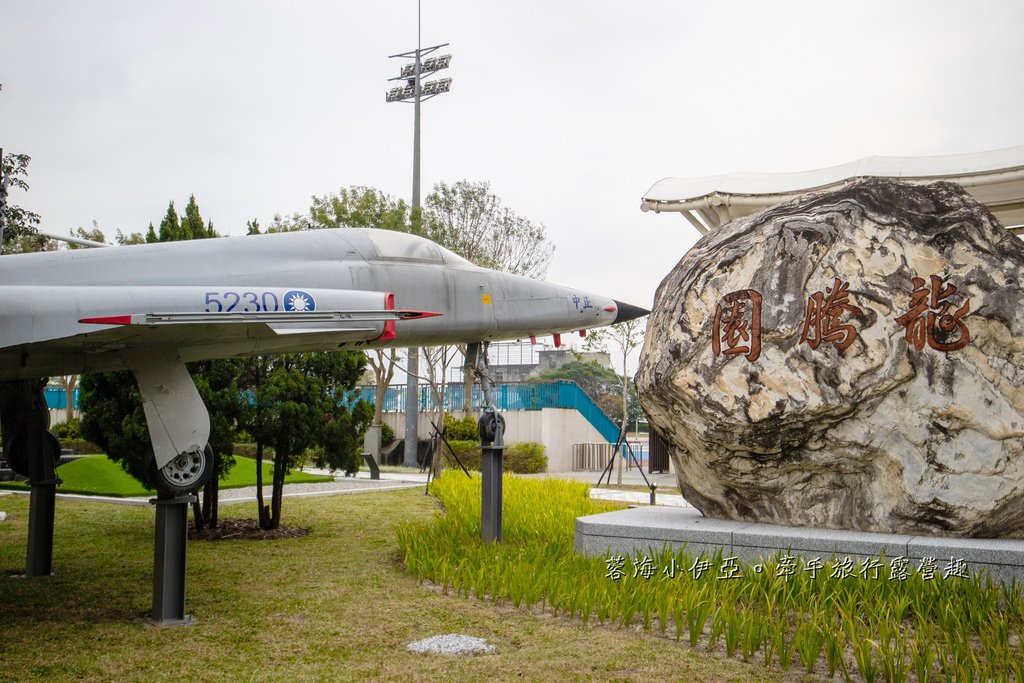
column 80, row 446
column 525, row 457
column 248, row 450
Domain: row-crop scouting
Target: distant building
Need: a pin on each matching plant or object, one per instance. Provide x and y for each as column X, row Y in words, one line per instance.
column 533, row 361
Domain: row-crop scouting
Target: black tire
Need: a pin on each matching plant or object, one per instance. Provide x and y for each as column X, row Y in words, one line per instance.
column 187, row 473
column 487, row 426
column 18, row 457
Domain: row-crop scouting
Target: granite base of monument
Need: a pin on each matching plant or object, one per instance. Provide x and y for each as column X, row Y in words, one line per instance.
column 642, row 530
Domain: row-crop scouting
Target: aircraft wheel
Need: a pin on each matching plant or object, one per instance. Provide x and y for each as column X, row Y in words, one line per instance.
column 18, row 458
column 186, row 473
column 487, row 426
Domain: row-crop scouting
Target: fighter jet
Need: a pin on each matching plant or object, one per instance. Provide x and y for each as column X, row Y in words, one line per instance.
column 151, row 308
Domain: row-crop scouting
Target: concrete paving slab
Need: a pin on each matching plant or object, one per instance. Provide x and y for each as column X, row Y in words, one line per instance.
column 652, row 527
column 637, row 530
column 821, row 542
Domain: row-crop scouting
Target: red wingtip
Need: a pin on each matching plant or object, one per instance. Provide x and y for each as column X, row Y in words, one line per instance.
column 389, row 327
column 413, row 315
column 558, row 340
column 533, row 339
column 108, row 320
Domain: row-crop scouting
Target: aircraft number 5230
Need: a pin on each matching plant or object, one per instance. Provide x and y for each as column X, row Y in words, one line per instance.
column 244, row 302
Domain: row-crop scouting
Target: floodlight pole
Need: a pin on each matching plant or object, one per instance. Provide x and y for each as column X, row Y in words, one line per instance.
column 412, row 364
column 412, row 381
column 3, row 199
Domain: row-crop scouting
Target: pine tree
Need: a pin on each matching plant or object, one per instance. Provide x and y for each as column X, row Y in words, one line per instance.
column 192, row 223
column 151, row 235
column 170, row 228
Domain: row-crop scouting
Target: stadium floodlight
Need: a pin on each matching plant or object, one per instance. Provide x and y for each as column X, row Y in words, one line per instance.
column 427, row 90
column 427, row 66
column 413, row 73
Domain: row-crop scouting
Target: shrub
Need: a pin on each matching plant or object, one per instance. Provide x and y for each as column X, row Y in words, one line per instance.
column 72, row 429
column 80, row 446
column 461, row 430
column 387, row 435
column 521, row 458
column 526, row 457
column 248, row 450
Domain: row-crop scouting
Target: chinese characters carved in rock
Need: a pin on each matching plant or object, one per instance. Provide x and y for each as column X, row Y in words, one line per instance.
column 737, row 323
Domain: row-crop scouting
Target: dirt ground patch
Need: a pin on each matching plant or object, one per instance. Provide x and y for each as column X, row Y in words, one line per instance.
column 244, row 529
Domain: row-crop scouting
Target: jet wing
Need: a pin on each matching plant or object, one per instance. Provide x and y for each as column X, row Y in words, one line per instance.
column 70, row 319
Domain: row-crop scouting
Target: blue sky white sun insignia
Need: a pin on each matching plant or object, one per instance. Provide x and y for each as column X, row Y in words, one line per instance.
column 299, row 301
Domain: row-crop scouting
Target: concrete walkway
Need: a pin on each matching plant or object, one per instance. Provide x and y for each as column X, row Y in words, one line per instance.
column 390, row 481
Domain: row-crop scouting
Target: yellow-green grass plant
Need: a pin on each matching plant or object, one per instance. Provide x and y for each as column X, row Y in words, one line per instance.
column 848, row 616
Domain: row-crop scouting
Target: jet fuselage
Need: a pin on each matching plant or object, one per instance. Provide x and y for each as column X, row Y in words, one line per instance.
column 80, row 310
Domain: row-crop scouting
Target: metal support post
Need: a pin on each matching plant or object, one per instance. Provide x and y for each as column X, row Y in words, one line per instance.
column 412, row 408
column 41, row 452
column 39, row 552
column 169, row 559
column 3, row 198
column 491, row 466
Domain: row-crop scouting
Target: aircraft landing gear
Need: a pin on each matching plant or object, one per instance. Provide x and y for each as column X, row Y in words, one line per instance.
column 184, row 474
column 491, row 427
column 179, row 429
column 33, row 452
column 178, row 424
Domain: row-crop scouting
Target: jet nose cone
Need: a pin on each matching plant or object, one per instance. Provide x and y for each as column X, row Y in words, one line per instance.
column 628, row 312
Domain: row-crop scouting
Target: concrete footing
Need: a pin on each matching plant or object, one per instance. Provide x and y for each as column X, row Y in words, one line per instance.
column 643, row 530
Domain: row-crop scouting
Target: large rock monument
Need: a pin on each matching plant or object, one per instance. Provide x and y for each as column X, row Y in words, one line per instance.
column 850, row 360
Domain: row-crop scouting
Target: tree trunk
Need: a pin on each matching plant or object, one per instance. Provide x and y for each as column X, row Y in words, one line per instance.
column 197, row 510
column 211, row 493
column 70, row 382
column 264, row 515
column 467, row 390
column 625, row 395
column 278, row 490
column 382, row 386
column 437, row 464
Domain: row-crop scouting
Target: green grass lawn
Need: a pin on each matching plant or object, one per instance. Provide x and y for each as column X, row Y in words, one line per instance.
column 335, row 605
column 98, row 475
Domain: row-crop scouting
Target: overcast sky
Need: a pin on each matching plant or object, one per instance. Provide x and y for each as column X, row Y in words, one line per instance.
column 572, row 110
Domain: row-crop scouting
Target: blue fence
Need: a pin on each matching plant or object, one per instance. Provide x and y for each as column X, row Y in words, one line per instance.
column 57, row 398
column 518, row 396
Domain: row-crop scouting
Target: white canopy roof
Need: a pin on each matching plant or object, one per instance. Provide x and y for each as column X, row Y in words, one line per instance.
column 995, row 178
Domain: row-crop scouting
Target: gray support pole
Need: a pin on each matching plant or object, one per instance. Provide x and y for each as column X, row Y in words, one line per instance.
column 491, row 466
column 169, row 559
column 3, row 198
column 412, row 408
column 39, row 553
column 412, row 385
column 43, row 483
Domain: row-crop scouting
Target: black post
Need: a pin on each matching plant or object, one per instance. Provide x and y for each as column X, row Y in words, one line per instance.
column 492, row 427
column 169, row 559
column 42, row 481
column 39, row 553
